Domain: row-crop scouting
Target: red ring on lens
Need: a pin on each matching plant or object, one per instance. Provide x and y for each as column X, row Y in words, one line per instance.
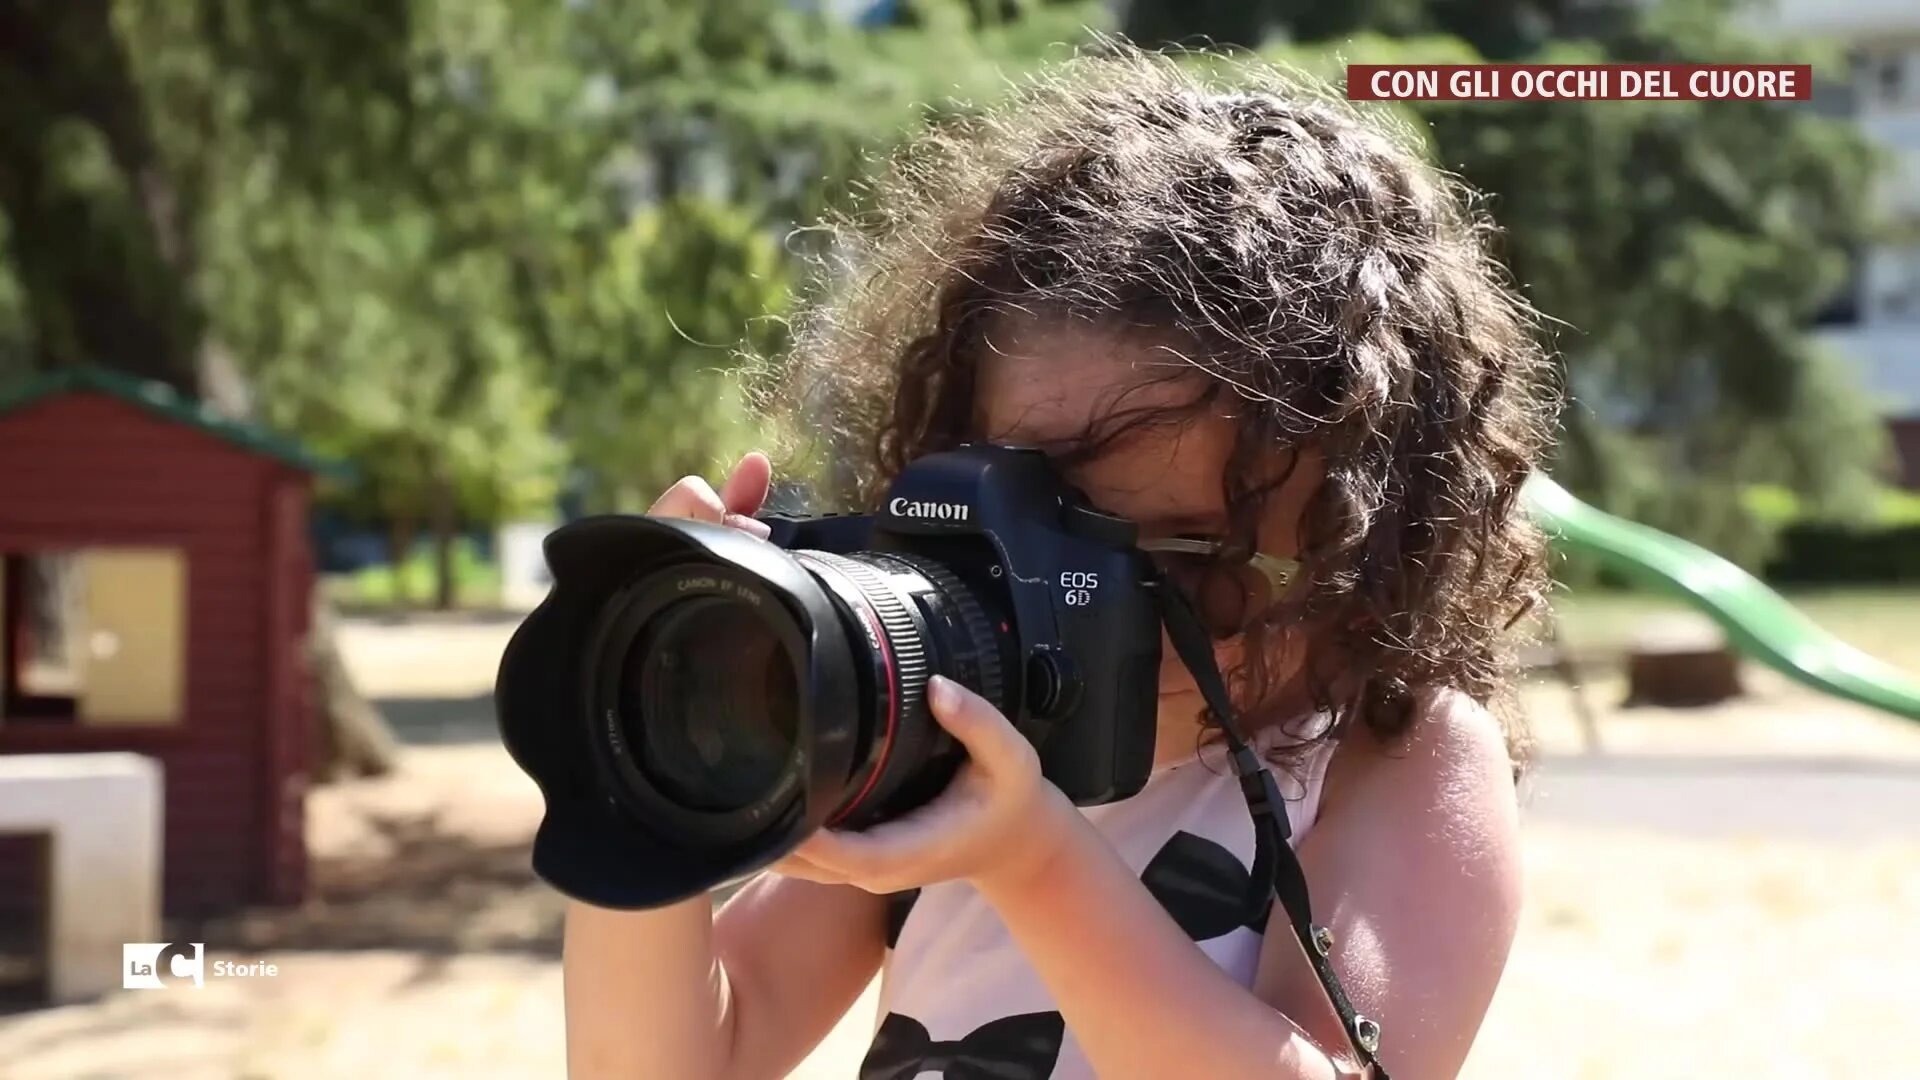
column 893, row 716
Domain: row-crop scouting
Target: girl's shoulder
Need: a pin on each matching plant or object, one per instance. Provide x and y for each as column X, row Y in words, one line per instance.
column 1455, row 747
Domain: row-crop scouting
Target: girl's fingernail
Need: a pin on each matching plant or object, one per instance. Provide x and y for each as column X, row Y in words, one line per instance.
column 942, row 693
column 753, row 525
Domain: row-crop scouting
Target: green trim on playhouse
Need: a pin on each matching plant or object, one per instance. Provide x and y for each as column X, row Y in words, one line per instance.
column 164, row 401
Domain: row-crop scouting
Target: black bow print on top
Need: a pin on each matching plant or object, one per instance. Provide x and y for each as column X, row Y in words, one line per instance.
column 1204, row 888
column 899, row 906
column 1022, row 1047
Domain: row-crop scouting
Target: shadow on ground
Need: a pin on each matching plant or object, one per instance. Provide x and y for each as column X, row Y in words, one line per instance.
column 424, row 888
column 440, row 721
column 388, row 615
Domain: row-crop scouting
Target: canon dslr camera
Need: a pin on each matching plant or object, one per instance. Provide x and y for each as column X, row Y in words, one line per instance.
column 694, row 701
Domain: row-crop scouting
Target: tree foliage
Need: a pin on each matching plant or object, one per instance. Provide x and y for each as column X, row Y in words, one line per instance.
column 1682, row 251
column 486, row 249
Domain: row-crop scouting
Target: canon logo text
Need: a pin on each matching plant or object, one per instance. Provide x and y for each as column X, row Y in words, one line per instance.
column 928, row 511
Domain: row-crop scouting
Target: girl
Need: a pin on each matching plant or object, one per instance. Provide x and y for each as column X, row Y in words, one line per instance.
column 1256, row 324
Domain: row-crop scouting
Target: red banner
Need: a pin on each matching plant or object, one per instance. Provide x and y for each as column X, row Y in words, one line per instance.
column 1579, row 82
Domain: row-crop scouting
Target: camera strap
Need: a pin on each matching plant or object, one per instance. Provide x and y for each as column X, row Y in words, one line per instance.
column 1276, row 870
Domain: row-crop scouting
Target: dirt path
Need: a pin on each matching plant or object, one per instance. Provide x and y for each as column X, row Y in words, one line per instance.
column 1644, row 952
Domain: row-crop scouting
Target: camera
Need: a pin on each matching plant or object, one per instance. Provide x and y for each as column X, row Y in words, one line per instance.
column 694, row 701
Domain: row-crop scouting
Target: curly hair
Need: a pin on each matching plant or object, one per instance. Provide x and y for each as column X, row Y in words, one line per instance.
column 1318, row 274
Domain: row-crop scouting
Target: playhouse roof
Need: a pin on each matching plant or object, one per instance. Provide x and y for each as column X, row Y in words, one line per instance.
column 166, row 402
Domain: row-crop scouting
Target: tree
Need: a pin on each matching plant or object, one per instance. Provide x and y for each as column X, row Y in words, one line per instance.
column 1497, row 29
column 749, row 119
column 114, row 125
column 99, row 231
column 644, row 325
column 1681, row 249
column 388, row 327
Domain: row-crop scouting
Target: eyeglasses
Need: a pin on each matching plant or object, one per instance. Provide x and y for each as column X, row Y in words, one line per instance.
column 1226, row 593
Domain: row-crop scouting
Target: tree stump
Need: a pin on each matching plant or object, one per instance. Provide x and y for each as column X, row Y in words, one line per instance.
column 1681, row 663
column 352, row 738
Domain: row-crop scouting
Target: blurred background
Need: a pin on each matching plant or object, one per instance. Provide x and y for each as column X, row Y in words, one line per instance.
column 315, row 315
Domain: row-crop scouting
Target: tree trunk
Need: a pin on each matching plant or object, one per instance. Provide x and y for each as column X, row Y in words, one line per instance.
column 444, row 521
column 128, row 299
column 354, row 739
column 100, row 288
column 400, row 535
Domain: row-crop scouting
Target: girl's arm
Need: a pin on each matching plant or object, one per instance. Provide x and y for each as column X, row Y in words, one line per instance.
column 1415, row 868
column 680, row 992
column 742, row 995
column 1139, row 996
column 1414, row 865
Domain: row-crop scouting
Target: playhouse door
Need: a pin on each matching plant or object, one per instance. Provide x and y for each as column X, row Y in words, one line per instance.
column 135, row 629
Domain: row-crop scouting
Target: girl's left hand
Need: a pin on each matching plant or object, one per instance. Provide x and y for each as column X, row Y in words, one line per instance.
column 999, row 818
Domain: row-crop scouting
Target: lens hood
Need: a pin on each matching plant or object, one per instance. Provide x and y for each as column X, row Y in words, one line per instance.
column 552, row 705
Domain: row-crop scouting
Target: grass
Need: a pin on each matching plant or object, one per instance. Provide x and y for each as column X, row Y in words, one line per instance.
column 476, row 582
column 1778, row 507
column 1884, row 622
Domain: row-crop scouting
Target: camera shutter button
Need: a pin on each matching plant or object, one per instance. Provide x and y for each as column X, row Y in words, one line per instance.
column 1053, row 687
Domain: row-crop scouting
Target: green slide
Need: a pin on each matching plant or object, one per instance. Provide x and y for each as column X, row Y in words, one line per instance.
column 1759, row 622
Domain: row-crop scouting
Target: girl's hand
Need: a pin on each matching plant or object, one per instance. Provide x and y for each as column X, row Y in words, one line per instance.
column 734, row 504
column 999, row 819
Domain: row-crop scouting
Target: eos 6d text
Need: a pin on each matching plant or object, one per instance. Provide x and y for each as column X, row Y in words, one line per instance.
column 1079, row 586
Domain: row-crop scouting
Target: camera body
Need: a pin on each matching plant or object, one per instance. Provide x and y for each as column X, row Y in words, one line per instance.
column 1075, row 602
column 693, row 702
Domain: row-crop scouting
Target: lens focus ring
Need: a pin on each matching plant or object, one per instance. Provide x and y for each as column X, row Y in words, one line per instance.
column 972, row 620
column 899, row 638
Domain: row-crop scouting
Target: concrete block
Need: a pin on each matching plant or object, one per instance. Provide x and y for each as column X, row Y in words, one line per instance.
column 102, row 814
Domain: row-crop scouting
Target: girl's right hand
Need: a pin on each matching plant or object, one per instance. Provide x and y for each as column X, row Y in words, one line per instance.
column 733, row 505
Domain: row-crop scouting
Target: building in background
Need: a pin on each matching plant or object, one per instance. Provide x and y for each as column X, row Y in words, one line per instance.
column 155, row 589
column 1877, row 324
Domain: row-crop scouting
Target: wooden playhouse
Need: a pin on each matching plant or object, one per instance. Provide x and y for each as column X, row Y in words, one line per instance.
column 155, row 588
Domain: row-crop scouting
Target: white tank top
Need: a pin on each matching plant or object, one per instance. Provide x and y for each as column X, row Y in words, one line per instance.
column 958, row 1000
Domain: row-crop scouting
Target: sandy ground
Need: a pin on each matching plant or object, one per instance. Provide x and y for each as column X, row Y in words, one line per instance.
column 1652, row 949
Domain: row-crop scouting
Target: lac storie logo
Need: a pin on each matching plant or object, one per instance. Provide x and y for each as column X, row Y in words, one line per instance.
column 158, row 965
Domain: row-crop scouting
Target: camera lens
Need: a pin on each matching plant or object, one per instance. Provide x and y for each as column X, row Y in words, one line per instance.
column 717, row 732
column 696, row 702
column 908, row 618
column 710, row 702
